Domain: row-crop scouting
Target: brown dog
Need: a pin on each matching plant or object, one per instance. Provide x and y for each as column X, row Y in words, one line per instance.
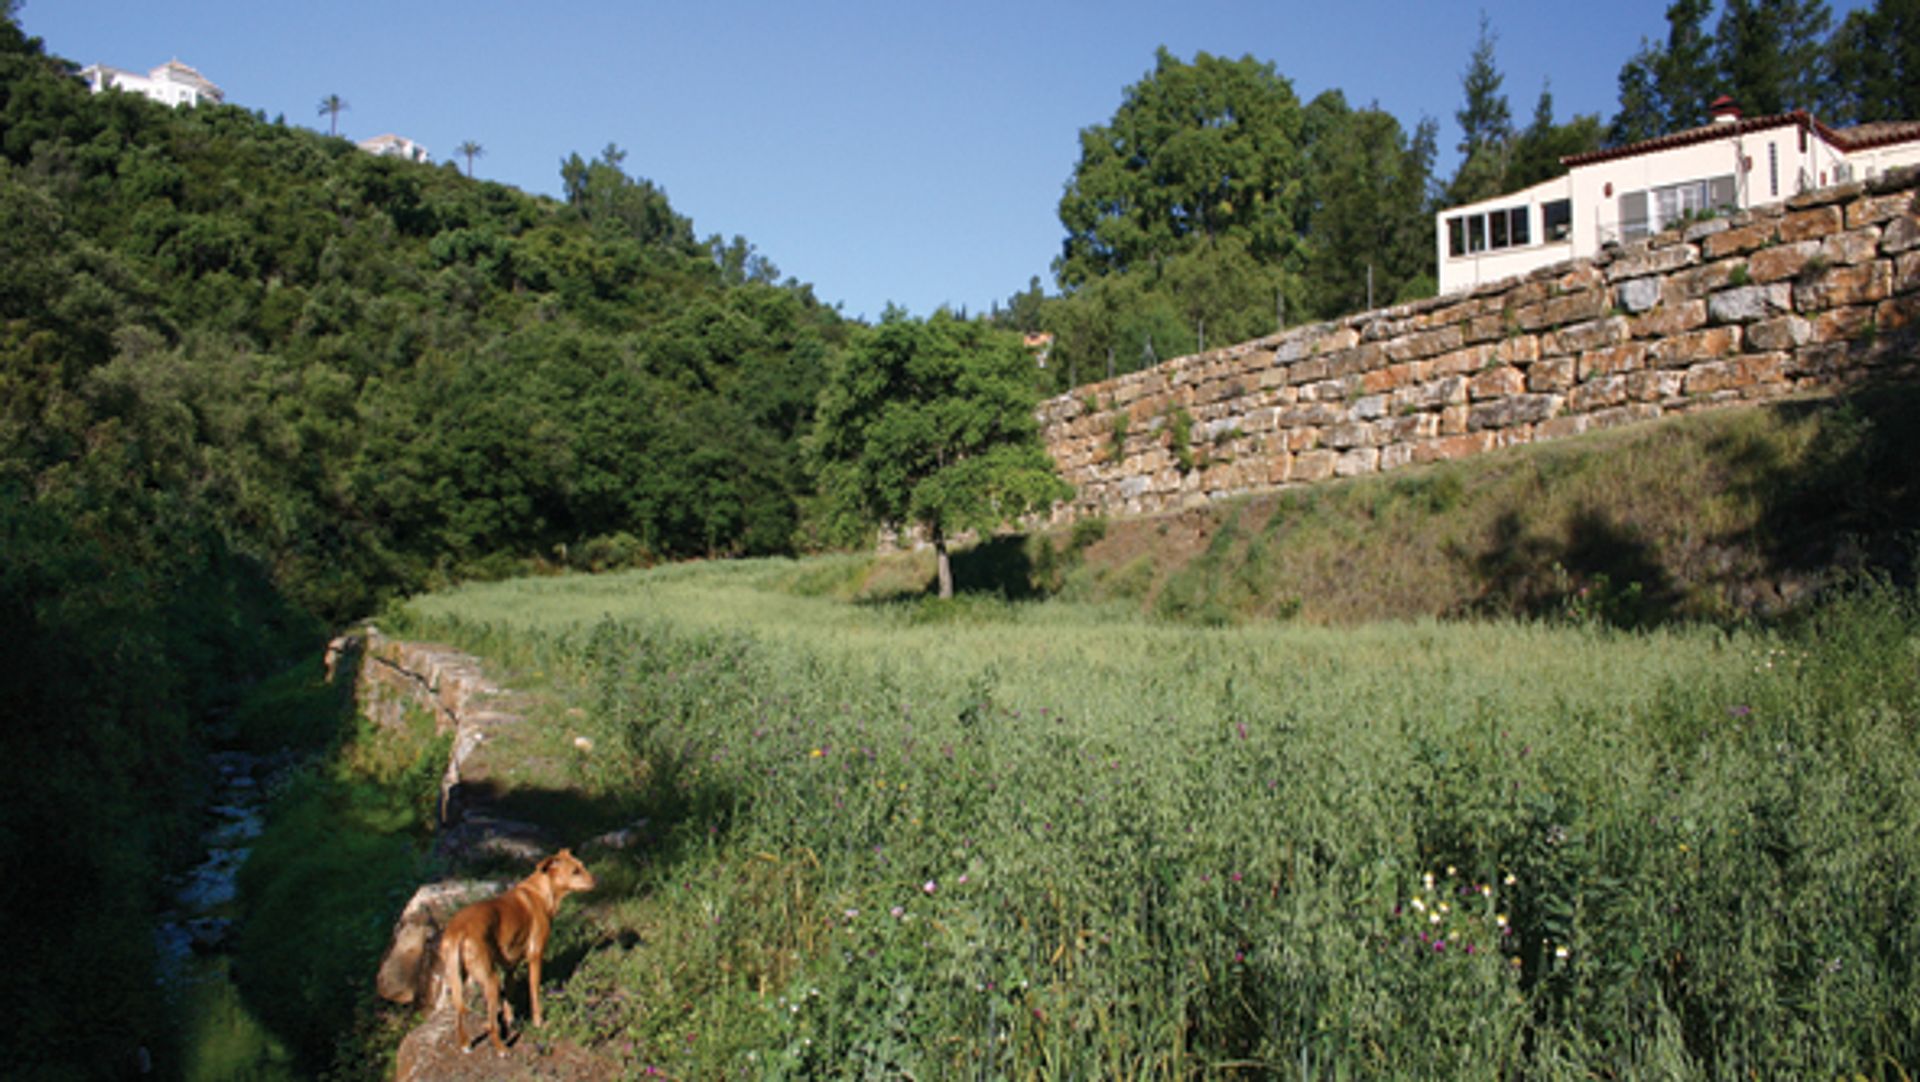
column 497, row 933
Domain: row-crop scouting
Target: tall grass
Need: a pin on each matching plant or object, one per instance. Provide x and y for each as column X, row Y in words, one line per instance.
column 1046, row 840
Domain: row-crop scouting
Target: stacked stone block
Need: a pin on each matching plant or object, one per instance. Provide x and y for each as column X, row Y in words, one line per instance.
column 1811, row 295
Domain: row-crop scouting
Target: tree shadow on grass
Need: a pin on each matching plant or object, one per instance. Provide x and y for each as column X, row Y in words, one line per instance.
column 1851, row 502
column 1598, row 570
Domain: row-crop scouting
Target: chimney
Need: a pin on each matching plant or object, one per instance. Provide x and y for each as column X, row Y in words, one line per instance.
column 1724, row 110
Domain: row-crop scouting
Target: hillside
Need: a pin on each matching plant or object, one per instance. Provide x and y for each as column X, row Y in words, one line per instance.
column 253, row 381
column 1717, row 518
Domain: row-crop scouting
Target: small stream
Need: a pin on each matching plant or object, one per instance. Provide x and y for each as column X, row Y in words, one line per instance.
column 196, row 934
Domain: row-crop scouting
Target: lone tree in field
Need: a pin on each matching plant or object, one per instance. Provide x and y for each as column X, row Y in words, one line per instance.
column 930, row 423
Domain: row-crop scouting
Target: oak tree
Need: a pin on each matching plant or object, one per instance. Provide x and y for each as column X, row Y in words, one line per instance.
column 930, row 423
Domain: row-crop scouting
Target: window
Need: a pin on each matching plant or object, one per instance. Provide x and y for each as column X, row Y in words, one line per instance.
column 1633, row 215
column 1490, row 231
column 1556, row 219
column 1773, row 170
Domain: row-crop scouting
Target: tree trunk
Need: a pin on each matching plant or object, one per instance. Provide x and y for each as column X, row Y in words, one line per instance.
column 946, row 565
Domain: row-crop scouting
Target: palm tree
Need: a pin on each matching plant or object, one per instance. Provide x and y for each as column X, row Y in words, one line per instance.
column 331, row 106
column 470, row 150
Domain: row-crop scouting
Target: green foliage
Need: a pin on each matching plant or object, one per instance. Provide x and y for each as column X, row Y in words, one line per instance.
column 339, row 854
column 1080, row 844
column 1875, row 54
column 1196, row 152
column 1768, row 55
column 930, row 423
column 254, row 381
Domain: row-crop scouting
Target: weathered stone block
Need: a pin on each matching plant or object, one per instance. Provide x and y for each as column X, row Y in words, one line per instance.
column 1597, row 394
column 1857, row 246
column 1336, row 340
column 1561, row 427
column 1356, row 462
column 1906, row 272
column 1700, row 281
column 1432, row 394
column 1636, row 263
column 1413, row 426
column 1826, row 194
column 1745, row 304
column 1739, row 240
column 1470, row 359
column 1704, row 345
column 1552, row 375
column 1518, row 349
column 1812, row 224
column 1638, row 295
column 1447, row 448
column 1901, row 234
column 1396, row 456
column 1896, row 314
column 1782, row 332
column 1837, row 287
column 1734, row 374
column 1874, row 209
column 1592, row 334
column 1496, row 382
column 1621, row 358
column 1670, row 319
column 1781, row 261
column 1842, row 324
column 1653, row 385
column 1427, row 343
column 1316, row 465
column 1453, row 420
column 1515, row 409
column 1487, row 327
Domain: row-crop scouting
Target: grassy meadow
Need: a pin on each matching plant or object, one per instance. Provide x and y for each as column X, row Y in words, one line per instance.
column 1070, row 840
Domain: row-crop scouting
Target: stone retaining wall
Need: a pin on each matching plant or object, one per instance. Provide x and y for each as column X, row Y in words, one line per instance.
column 1813, row 294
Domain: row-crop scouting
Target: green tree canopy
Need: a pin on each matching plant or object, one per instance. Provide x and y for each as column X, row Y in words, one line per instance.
column 930, row 423
column 1370, row 210
column 1486, row 125
column 1768, row 55
column 1876, row 63
column 1196, row 152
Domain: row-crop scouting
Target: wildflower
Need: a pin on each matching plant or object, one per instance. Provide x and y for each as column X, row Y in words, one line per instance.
column 852, row 913
column 816, row 753
column 1428, row 880
column 929, row 886
column 963, row 879
column 1418, row 905
column 1433, row 918
column 1500, row 919
column 1509, row 880
column 1560, row 952
column 898, row 911
column 1450, row 872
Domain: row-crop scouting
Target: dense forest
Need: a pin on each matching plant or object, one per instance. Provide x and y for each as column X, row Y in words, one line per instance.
column 253, row 382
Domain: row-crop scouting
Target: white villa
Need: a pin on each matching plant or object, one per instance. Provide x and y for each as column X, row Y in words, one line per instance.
column 1625, row 193
column 395, row 146
column 172, row 83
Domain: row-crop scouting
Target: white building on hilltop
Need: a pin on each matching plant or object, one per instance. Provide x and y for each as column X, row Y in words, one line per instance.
column 1625, row 193
column 172, row 83
column 395, row 146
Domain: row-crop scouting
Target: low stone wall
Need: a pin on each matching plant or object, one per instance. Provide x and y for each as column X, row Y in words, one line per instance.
column 1816, row 293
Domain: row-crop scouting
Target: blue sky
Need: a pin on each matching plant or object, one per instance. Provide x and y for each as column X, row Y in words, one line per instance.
column 883, row 151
